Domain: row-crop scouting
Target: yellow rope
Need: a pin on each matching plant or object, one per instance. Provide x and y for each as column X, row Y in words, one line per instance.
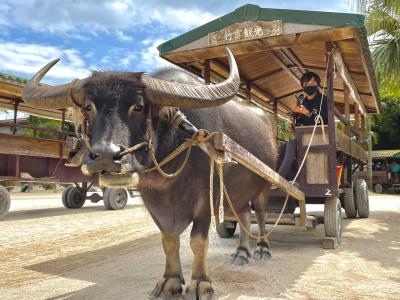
column 158, row 166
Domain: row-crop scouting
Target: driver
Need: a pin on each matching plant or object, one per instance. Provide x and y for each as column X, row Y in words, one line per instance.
column 306, row 111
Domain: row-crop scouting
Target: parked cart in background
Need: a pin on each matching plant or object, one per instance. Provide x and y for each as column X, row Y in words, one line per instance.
column 385, row 171
column 33, row 159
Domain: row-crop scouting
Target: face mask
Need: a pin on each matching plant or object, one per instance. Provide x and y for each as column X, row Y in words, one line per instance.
column 310, row 90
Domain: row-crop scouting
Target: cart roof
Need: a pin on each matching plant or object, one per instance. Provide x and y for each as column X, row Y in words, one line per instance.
column 10, row 91
column 273, row 47
column 395, row 153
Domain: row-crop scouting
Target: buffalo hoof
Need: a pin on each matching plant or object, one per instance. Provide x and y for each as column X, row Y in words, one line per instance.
column 262, row 253
column 241, row 257
column 167, row 289
column 199, row 290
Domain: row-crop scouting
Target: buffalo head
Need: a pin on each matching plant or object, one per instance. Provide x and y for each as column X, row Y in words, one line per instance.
column 119, row 106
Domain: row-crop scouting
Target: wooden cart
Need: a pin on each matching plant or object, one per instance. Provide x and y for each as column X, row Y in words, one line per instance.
column 383, row 179
column 34, row 159
column 273, row 48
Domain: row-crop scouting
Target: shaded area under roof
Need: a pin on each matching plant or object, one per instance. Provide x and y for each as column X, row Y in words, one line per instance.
column 10, row 91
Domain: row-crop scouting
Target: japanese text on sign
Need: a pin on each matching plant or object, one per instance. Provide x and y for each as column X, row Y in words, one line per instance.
column 245, row 31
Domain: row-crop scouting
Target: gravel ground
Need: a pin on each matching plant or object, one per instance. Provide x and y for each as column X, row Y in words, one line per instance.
column 48, row 252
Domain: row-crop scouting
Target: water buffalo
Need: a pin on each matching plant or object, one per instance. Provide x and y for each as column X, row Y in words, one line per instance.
column 125, row 109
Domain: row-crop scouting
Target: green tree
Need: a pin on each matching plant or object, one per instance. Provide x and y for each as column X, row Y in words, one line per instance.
column 383, row 23
column 382, row 20
column 386, row 124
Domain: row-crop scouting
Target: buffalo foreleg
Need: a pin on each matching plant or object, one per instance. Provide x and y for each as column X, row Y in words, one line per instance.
column 200, row 286
column 170, row 287
column 242, row 254
column 262, row 251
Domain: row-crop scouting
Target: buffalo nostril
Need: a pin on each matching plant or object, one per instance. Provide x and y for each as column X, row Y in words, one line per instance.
column 92, row 156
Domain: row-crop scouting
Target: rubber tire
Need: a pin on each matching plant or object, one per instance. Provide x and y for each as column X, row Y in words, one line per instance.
column 5, row 202
column 362, row 199
column 75, row 198
column 333, row 220
column 225, row 232
column 106, row 192
column 378, row 188
column 349, row 203
column 64, row 196
column 115, row 199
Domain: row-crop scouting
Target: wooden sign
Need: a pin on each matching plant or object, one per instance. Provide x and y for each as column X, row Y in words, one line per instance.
column 248, row 30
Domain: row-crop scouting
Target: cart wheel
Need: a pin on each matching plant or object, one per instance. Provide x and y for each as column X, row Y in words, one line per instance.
column 64, row 196
column 349, row 203
column 115, row 199
column 225, row 230
column 362, row 200
column 75, row 197
column 5, row 201
column 333, row 221
column 378, row 188
column 106, row 192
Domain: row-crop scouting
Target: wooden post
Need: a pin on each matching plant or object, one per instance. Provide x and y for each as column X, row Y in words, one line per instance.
column 363, row 129
column 347, row 108
column 276, row 120
column 357, row 119
column 16, row 103
column 369, row 160
column 207, row 72
column 17, row 166
column 348, row 160
column 331, row 125
column 62, row 133
column 248, row 92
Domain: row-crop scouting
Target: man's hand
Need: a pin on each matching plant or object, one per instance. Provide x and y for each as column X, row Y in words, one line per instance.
column 300, row 110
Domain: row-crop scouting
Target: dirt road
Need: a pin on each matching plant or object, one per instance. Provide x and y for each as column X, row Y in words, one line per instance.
column 48, row 252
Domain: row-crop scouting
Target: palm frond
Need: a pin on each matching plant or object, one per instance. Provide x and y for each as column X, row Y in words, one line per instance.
column 378, row 20
column 386, row 56
column 364, row 6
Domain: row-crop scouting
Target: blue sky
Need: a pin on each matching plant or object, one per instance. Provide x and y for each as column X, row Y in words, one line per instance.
column 108, row 35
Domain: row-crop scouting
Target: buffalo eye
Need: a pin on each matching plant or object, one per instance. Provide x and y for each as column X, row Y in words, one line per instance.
column 88, row 108
column 138, row 107
column 135, row 108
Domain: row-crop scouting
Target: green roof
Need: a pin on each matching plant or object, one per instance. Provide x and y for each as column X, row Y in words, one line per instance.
column 252, row 12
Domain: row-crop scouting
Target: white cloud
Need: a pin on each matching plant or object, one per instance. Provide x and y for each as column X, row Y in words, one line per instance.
column 122, row 37
column 27, row 59
column 181, row 18
column 128, row 59
column 4, row 10
column 149, row 56
column 60, row 16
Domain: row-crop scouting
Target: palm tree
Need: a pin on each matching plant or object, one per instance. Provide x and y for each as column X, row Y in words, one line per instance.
column 383, row 24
